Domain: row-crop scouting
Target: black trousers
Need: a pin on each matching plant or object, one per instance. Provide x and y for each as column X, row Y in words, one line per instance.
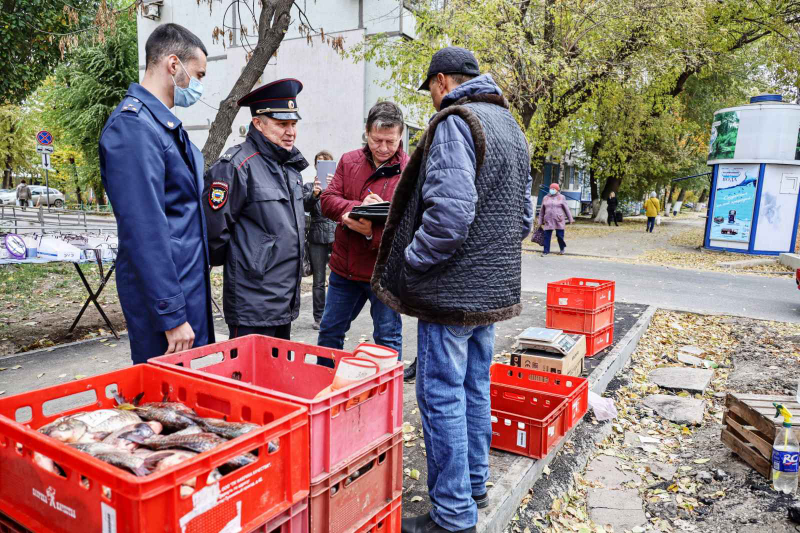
column 283, row 331
column 612, row 215
column 319, row 255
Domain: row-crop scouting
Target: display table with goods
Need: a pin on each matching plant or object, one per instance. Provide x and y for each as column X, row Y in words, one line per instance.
column 78, row 249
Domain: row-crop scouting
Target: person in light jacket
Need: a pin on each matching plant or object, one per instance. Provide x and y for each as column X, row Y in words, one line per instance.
column 554, row 215
column 652, row 207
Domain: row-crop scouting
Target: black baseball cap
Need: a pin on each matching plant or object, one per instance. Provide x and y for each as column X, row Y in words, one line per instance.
column 451, row 60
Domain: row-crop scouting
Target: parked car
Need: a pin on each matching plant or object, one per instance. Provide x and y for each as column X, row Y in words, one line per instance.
column 8, row 197
column 56, row 197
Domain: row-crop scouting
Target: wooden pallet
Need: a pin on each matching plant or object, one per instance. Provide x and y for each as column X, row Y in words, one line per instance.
column 750, row 428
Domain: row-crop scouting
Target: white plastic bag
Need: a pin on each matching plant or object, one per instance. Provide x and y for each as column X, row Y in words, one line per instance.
column 604, row 408
column 658, row 220
column 56, row 249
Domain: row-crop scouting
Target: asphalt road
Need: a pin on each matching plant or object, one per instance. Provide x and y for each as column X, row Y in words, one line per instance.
column 697, row 291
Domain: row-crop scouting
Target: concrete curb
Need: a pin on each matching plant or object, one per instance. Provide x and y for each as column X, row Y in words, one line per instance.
column 520, row 476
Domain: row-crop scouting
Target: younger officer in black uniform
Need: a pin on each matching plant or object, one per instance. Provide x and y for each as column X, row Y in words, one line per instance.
column 256, row 222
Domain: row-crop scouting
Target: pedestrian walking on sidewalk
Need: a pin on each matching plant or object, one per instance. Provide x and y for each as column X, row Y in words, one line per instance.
column 23, row 194
column 652, row 207
column 451, row 256
column 320, row 237
column 611, row 207
column 554, row 216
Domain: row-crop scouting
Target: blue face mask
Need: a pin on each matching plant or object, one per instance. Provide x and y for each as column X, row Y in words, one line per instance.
column 185, row 97
column 553, row 192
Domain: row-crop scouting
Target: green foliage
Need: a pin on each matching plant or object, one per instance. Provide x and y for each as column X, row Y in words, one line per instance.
column 87, row 87
column 16, row 144
column 33, row 37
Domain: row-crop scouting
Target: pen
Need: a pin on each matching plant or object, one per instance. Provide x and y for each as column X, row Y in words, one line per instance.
column 369, row 190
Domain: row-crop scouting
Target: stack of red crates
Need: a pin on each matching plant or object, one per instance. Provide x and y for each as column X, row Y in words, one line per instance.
column 532, row 411
column 356, row 444
column 584, row 307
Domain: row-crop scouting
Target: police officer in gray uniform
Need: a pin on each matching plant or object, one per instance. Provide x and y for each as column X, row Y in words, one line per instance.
column 256, row 221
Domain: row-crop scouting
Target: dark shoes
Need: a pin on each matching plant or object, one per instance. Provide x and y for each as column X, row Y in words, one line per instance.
column 425, row 524
column 482, row 500
column 410, row 373
column 315, row 325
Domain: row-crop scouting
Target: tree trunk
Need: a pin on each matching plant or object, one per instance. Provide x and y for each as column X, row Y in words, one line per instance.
column 273, row 22
column 612, row 185
column 77, row 185
column 8, row 180
column 703, row 196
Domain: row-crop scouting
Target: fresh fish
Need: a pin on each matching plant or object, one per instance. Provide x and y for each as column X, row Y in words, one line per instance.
column 165, row 404
column 176, row 457
column 139, row 466
column 172, row 419
column 129, row 437
column 191, row 430
column 228, row 430
column 199, row 442
column 72, row 428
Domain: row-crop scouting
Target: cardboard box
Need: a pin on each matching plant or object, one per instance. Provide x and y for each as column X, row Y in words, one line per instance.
column 570, row 364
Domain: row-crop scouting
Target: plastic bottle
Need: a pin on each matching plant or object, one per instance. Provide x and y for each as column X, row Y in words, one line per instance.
column 785, row 454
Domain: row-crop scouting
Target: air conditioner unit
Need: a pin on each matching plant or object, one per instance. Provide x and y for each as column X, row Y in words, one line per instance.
column 152, row 10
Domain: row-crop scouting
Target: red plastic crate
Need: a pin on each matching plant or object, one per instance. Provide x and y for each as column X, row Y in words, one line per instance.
column 580, row 293
column 279, row 369
column 9, row 526
column 118, row 501
column 580, row 320
column 388, row 520
column 349, row 499
column 292, row 520
column 597, row 342
column 574, row 389
column 525, row 420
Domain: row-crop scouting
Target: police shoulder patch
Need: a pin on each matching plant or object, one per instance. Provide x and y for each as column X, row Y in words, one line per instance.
column 218, row 195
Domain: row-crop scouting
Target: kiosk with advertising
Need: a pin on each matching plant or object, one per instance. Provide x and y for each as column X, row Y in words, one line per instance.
column 755, row 158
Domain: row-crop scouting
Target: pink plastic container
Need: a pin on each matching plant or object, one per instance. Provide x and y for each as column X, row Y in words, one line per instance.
column 340, row 429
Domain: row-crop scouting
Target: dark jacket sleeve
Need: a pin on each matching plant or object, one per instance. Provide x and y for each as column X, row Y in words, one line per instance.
column 308, row 197
column 527, row 213
column 130, row 147
column 449, row 195
column 221, row 221
column 334, row 204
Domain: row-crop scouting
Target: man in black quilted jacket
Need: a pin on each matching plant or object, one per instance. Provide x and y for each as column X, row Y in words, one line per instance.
column 451, row 256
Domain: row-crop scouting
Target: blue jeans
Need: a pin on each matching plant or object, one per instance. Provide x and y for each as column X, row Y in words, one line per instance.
column 453, row 397
column 548, row 236
column 651, row 223
column 345, row 301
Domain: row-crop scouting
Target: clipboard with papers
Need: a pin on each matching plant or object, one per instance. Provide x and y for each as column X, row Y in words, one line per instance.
column 374, row 212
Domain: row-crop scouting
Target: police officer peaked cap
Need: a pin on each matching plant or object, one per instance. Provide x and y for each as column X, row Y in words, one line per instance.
column 276, row 100
column 451, row 60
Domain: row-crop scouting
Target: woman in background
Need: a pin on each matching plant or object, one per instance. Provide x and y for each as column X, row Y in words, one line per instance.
column 554, row 215
column 652, row 207
column 319, row 235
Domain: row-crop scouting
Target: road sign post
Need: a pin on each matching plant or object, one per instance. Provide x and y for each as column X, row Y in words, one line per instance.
column 44, row 141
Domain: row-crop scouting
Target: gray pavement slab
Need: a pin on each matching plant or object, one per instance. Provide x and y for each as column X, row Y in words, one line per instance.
column 678, row 378
column 622, row 509
column 608, row 472
column 665, row 471
column 676, row 409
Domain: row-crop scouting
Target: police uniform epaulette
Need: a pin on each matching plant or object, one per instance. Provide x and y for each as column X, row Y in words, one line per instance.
column 131, row 105
column 230, row 153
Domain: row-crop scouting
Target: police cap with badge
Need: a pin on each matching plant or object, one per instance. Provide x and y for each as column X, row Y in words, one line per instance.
column 276, row 100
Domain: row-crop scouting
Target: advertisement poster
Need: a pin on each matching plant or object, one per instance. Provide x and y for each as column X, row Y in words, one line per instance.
column 778, row 208
column 724, row 131
column 734, row 202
